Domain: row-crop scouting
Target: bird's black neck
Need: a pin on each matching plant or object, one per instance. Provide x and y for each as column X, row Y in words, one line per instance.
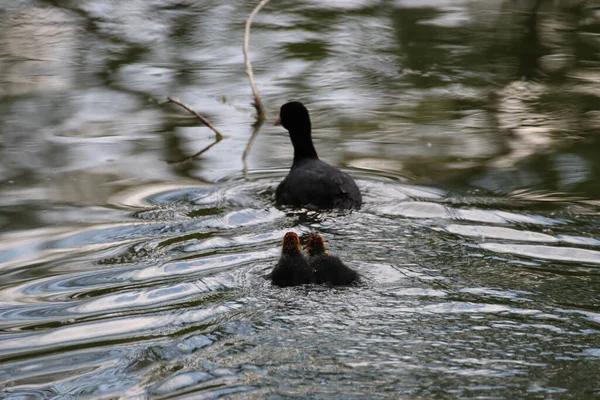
column 303, row 145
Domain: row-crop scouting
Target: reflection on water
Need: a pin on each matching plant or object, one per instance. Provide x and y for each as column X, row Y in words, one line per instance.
column 470, row 126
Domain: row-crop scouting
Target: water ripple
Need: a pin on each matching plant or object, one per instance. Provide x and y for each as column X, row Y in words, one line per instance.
column 113, row 329
column 568, row 254
column 494, row 232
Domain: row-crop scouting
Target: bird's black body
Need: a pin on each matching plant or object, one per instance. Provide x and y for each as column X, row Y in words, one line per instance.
column 292, row 269
column 312, row 183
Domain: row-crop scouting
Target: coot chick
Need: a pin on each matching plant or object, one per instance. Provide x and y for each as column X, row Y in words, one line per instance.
column 312, row 183
column 327, row 268
column 292, row 268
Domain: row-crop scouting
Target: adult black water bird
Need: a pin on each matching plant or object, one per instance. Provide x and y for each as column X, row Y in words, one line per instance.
column 312, row 183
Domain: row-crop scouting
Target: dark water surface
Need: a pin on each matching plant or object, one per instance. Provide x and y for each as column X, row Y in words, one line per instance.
column 471, row 127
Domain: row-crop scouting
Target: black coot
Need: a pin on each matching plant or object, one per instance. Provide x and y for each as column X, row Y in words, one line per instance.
column 292, row 268
column 312, row 183
column 327, row 268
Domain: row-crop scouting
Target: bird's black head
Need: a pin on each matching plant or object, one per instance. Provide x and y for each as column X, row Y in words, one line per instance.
column 293, row 116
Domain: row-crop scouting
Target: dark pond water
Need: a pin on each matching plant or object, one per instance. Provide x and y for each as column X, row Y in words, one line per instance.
column 471, row 127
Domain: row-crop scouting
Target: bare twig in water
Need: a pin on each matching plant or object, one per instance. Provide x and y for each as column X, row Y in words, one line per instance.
column 218, row 134
column 256, row 127
column 197, row 114
column 260, row 109
column 204, row 150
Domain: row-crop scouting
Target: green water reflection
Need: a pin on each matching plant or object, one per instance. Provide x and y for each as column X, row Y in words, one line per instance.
column 472, row 128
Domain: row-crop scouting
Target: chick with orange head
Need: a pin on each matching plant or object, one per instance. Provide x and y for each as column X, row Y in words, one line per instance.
column 292, row 269
column 327, row 268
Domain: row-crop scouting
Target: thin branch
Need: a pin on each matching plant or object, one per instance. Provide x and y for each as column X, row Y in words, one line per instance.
column 204, row 121
column 260, row 109
column 256, row 127
column 204, row 150
column 192, row 111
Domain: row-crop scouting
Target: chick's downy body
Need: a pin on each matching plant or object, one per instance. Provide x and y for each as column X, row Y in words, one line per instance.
column 328, row 268
column 292, row 269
